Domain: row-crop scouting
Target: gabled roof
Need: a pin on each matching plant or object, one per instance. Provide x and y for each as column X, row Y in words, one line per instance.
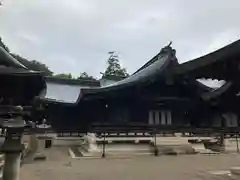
column 155, row 69
column 212, row 66
column 155, row 58
column 149, row 72
column 224, row 54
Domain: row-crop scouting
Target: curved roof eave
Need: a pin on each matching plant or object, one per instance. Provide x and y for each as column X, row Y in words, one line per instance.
column 151, row 71
column 7, row 60
column 10, row 67
column 218, row 55
column 16, row 72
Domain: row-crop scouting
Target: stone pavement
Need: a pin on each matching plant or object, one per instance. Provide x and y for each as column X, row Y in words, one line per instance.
column 187, row 167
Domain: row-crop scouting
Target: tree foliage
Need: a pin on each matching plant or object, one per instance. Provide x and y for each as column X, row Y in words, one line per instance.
column 85, row 76
column 114, row 68
column 30, row 64
column 33, row 65
column 62, row 75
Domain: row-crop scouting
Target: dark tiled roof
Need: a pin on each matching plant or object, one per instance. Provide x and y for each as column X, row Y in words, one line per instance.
column 66, row 81
column 13, row 73
column 150, row 72
column 222, row 54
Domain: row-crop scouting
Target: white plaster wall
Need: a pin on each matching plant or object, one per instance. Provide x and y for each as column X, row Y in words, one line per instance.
column 105, row 82
column 62, row 92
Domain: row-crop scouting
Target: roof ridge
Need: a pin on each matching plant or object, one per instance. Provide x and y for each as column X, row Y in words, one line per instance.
column 156, row 57
column 68, row 81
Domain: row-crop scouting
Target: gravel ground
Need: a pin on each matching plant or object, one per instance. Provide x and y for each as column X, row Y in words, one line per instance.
column 60, row 166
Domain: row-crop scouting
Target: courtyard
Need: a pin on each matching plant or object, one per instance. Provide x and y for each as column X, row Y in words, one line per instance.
column 60, row 166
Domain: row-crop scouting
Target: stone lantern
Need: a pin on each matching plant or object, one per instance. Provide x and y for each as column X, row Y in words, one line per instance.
column 19, row 86
column 12, row 147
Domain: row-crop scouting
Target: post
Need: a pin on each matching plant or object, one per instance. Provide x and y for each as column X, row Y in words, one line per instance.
column 237, row 143
column 103, row 152
column 222, row 143
column 155, row 145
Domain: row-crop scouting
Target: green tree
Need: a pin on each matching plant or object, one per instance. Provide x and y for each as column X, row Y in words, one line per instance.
column 62, row 75
column 114, row 68
column 85, row 76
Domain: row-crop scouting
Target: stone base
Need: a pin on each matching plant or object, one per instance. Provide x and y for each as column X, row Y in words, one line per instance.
column 93, row 148
column 112, row 150
column 36, row 148
column 232, row 174
column 235, row 171
column 175, row 149
column 219, row 175
column 39, row 157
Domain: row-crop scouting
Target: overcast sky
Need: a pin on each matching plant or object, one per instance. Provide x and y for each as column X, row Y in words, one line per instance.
column 76, row 35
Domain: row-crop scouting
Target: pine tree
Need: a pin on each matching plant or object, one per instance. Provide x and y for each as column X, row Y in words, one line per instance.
column 114, row 68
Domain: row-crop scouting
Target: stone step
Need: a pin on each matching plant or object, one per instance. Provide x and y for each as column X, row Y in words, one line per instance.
column 123, row 150
column 232, row 174
column 219, row 175
column 175, row 149
column 235, row 171
column 110, row 154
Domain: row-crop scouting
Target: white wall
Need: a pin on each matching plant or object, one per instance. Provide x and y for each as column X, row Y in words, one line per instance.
column 62, row 92
column 105, row 82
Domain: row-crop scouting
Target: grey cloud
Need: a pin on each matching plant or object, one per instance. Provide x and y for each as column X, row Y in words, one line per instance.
column 75, row 36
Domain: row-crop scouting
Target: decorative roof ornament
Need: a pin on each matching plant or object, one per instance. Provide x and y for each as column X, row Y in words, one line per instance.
column 170, row 43
column 166, row 49
column 170, row 51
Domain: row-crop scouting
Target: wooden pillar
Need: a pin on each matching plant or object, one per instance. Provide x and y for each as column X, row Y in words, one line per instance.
column 104, row 134
column 156, row 152
column 103, row 151
column 237, row 143
column 222, row 142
